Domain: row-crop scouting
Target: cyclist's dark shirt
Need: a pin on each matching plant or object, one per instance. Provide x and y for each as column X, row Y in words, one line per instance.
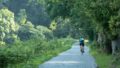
column 81, row 42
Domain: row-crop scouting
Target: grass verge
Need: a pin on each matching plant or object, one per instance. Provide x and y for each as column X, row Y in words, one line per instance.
column 103, row 60
column 116, row 61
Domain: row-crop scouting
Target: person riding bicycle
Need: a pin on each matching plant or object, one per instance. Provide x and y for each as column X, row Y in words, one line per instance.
column 82, row 44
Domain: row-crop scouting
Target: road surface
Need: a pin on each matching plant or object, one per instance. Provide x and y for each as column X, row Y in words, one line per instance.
column 71, row 58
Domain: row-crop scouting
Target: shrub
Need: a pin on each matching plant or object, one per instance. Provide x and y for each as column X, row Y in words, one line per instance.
column 8, row 27
column 23, row 51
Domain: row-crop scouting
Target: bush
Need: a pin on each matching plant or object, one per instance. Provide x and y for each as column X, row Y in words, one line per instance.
column 23, row 51
column 8, row 27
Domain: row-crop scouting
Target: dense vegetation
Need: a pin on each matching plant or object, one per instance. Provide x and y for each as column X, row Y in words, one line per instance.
column 22, row 41
column 35, row 48
column 26, row 44
column 40, row 21
column 99, row 17
column 97, row 20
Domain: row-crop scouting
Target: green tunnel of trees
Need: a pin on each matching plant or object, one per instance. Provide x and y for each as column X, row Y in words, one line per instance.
column 96, row 20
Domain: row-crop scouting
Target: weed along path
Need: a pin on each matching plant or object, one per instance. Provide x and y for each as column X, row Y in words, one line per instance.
column 71, row 58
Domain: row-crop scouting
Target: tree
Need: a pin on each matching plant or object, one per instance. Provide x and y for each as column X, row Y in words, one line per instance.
column 56, row 8
column 21, row 19
column 63, row 27
column 8, row 27
column 35, row 10
column 101, row 17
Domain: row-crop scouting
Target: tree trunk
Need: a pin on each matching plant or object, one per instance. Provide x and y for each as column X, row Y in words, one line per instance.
column 114, row 45
column 106, row 43
column 118, row 44
column 100, row 40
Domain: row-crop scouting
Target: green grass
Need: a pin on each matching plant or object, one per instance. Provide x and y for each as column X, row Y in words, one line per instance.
column 103, row 60
column 58, row 46
column 36, row 61
column 116, row 60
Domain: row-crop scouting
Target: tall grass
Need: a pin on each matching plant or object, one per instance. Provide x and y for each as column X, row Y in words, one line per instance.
column 31, row 53
column 116, row 60
column 103, row 60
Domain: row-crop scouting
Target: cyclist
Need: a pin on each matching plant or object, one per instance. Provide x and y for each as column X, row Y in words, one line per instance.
column 82, row 45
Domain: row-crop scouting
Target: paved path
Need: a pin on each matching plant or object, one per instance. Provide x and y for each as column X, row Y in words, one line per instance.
column 71, row 59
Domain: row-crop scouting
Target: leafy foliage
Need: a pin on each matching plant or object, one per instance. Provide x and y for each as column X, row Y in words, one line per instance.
column 23, row 51
column 35, row 10
column 97, row 20
column 24, row 39
column 8, row 27
column 90, row 17
column 21, row 19
column 56, row 8
column 63, row 28
column 53, row 25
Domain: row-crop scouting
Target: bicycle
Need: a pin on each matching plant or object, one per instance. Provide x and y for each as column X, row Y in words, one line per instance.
column 82, row 49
